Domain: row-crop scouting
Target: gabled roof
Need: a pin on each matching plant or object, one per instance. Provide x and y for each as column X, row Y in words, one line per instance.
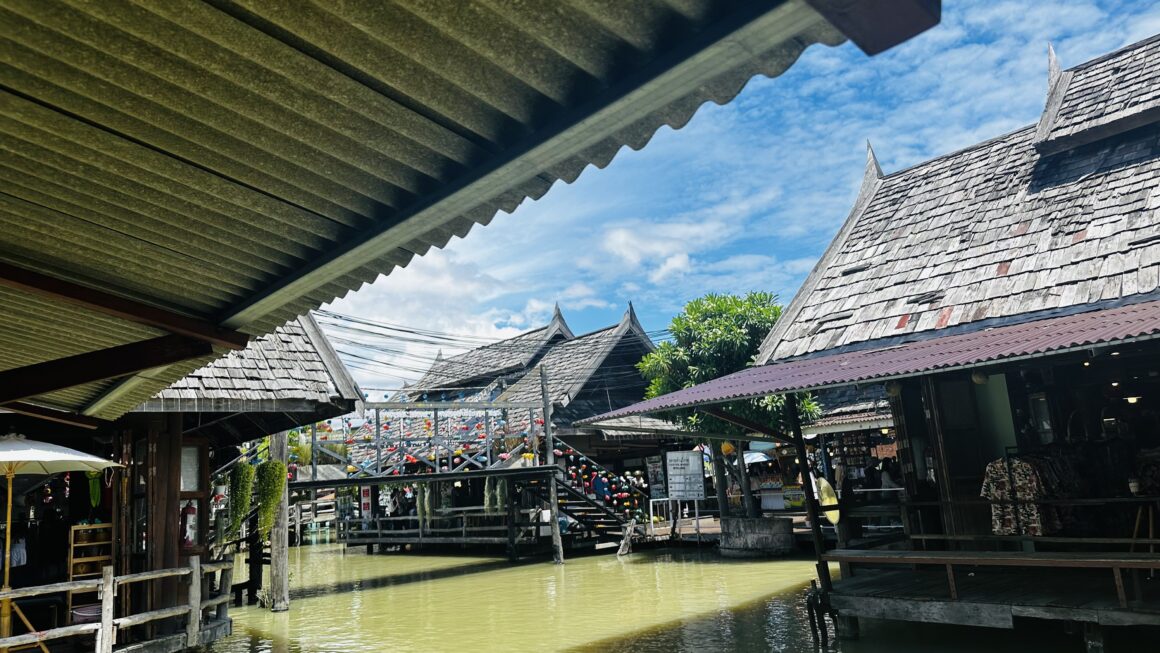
column 573, row 364
column 236, row 164
column 993, row 233
column 293, row 369
column 487, row 363
column 1100, row 98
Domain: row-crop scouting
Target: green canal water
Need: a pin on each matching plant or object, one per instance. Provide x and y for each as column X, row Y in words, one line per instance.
column 351, row 602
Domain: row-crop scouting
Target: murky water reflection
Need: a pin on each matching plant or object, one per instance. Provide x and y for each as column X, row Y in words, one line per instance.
column 648, row 602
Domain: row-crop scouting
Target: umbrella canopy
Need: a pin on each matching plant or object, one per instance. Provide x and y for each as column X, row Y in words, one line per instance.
column 22, row 456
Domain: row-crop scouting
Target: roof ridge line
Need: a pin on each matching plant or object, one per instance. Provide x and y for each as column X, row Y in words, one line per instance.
column 961, row 151
column 872, row 180
column 1115, row 53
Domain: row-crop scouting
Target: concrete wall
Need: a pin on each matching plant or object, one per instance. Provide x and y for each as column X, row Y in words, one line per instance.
column 749, row 538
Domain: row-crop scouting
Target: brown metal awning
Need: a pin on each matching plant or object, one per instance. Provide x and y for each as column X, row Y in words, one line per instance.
column 215, row 168
column 1000, row 344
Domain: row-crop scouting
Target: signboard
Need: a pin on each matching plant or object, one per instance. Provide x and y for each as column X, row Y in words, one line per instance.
column 685, row 475
column 656, row 477
column 364, row 504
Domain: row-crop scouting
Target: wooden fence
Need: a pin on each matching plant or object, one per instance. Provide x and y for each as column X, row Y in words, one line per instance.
column 199, row 630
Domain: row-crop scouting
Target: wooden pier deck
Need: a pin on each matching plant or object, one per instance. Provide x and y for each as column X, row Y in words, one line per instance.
column 994, row 597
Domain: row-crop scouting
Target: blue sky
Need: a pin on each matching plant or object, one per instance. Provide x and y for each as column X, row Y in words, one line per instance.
column 747, row 195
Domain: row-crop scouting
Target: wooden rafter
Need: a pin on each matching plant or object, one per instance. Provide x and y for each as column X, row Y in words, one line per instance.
column 39, row 378
column 54, row 415
column 736, row 420
column 36, row 283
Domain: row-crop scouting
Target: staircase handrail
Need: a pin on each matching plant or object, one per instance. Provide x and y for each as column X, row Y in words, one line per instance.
column 639, row 494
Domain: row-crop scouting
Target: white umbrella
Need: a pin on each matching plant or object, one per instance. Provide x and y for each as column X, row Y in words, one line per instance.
column 22, row 456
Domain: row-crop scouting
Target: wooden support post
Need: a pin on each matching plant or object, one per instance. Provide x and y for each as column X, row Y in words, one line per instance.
column 550, row 454
column 1118, row 576
column 743, row 481
column 225, row 586
column 280, row 534
column 794, row 420
column 313, row 464
column 549, row 441
column 512, row 515
column 720, row 481
column 193, row 625
column 487, row 438
column 378, row 443
column 107, row 635
column 554, row 515
column 626, row 538
column 951, row 582
column 253, row 562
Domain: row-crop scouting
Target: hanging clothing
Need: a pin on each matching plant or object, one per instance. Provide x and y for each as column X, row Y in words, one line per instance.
column 1014, row 479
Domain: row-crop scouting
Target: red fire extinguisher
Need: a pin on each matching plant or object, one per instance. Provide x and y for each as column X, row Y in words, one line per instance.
column 188, row 525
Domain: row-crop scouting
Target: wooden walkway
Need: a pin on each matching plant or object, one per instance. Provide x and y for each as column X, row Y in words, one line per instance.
column 993, row 597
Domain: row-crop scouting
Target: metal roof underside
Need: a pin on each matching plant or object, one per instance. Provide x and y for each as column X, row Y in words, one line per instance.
column 1057, row 335
column 244, row 161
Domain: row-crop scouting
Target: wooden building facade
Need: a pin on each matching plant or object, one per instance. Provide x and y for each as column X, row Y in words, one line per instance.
column 149, row 522
column 1005, row 297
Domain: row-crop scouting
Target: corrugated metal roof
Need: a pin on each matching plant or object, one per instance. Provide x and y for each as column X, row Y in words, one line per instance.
column 1041, row 337
column 243, row 161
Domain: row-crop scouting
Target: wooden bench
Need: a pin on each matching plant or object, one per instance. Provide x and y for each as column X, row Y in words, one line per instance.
column 948, row 559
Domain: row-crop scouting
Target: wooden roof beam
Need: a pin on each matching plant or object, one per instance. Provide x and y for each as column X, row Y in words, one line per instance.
column 53, row 415
column 744, row 423
column 99, row 301
column 39, row 378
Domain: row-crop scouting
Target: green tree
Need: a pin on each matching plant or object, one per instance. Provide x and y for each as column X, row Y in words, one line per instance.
column 713, row 336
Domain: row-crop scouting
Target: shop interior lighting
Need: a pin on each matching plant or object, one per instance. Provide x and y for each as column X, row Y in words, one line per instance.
column 1115, row 353
column 1087, row 364
column 1132, row 400
column 1115, row 384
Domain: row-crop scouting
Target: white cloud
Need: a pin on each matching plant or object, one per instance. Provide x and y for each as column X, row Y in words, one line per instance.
column 675, row 265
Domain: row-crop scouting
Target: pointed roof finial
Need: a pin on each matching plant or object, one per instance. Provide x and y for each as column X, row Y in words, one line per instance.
column 1053, row 68
column 439, row 355
column 558, row 326
column 872, row 161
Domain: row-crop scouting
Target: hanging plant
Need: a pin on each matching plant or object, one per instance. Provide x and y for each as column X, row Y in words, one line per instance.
column 271, row 479
column 241, row 489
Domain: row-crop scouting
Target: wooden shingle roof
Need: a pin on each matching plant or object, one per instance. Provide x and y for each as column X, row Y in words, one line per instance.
column 485, row 364
column 995, row 233
column 1112, row 94
column 293, row 369
column 571, row 365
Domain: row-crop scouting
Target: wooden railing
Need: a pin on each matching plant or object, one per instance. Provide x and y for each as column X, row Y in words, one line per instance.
column 107, row 586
